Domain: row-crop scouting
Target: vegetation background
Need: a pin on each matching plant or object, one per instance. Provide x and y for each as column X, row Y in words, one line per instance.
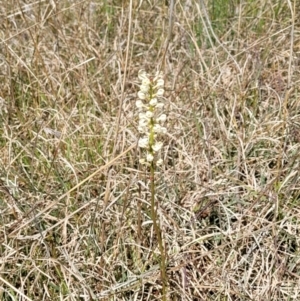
column 74, row 202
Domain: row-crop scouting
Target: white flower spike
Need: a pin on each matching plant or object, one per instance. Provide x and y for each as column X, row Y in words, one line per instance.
column 151, row 117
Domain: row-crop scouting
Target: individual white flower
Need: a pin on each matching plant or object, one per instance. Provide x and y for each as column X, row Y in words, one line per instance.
column 142, row 129
column 142, row 161
column 162, row 118
column 157, row 146
column 160, row 105
column 157, row 128
column 142, row 75
column 143, row 126
column 144, row 142
column 153, row 102
column 160, row 92
column 146, row 82
column 141, row 95
column 160, row 83
column 139, row 104
column 142, row 115
column 163, row 130
column 149, row 157
column 159, row 162
column 143, row 121
column 149, row 114
column 144, row 88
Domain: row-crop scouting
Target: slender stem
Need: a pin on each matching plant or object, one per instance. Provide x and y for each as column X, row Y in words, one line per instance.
column 157, row 229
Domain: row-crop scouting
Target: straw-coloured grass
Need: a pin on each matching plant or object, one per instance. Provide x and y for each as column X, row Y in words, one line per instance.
column 75, row 220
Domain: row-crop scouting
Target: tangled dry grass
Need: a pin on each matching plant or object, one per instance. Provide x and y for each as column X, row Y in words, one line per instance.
column 74, row 202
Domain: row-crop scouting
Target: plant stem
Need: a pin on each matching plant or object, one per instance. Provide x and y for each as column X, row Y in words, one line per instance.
column 157, row 229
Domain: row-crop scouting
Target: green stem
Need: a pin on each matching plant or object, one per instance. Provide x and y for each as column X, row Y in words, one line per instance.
column 157, row 229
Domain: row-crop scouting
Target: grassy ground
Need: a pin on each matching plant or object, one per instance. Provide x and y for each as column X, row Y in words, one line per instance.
column 75, row 221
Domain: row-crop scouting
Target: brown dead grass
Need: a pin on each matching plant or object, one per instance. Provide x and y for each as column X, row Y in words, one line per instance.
column 74, row 202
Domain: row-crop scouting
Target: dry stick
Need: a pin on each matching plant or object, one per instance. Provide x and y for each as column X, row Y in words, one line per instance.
column 124, row 79
column 292, row 41
column 285, row 115
column 171, row 23
column 156, row 225
column 157, row 229
column 121, row 106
